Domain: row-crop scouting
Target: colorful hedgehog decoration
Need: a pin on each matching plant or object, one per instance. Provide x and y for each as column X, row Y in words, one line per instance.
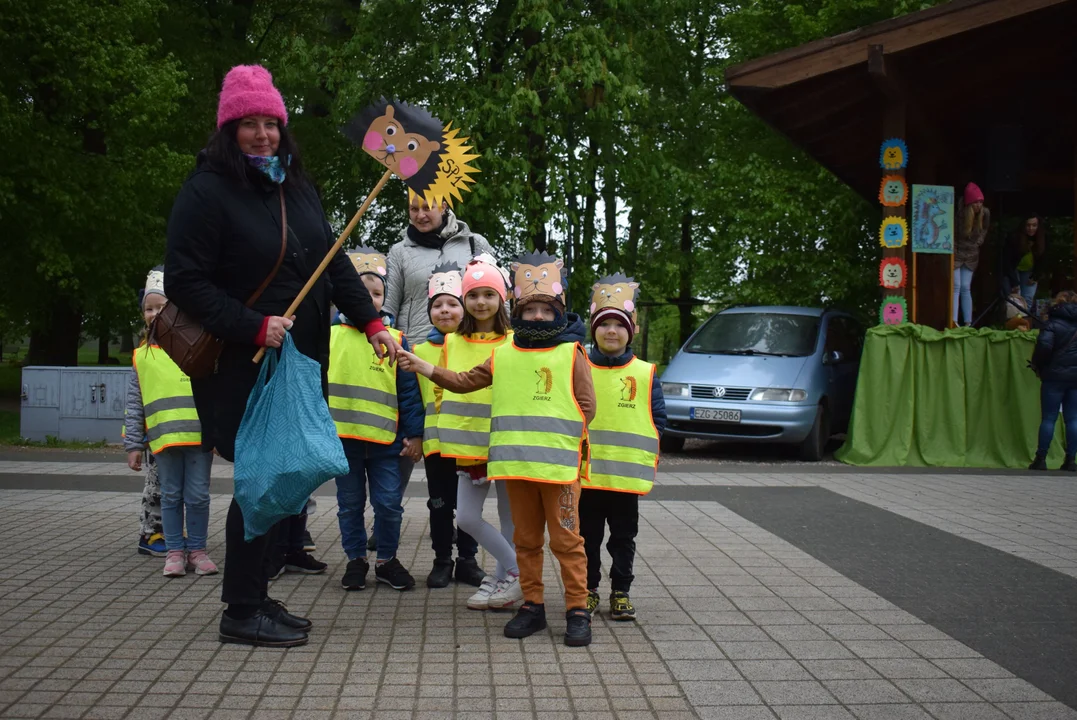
column 430, row 158
column 628, row 389
column 615, row 291
column 368, row 260
column 538, row 274
column 445, row 280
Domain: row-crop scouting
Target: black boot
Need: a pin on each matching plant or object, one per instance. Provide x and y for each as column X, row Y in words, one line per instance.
column 279, row 612
column 260, row 630
column 1039, row 462
column 530, row 618
column 469, row 572
column 441, row 575
column 578, row 629
column 1069, row 464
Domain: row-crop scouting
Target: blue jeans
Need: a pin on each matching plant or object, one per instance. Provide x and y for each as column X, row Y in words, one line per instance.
column 1053, row 394
column 963, row 293
column 184, row 474
column 378, row 466
column 1028, row 289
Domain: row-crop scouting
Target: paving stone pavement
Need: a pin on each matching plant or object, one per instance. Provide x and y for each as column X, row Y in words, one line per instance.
column 734, row 622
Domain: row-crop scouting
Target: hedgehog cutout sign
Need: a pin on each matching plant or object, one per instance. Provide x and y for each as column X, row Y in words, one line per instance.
column 431, row 159
column 892, row 273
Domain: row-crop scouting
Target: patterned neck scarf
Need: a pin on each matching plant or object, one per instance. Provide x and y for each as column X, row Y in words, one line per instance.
column 270, row 166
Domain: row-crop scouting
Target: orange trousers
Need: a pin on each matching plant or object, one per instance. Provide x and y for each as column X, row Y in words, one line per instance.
column 537, row 506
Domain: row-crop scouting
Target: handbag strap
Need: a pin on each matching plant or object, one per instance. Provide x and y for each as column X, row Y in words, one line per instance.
column 283, row 246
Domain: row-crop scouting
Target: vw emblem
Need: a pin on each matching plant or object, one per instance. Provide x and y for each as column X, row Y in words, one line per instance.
column 719, row 392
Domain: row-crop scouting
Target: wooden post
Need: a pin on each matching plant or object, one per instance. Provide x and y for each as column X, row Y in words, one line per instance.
column 893, row 126
column 1074, row 282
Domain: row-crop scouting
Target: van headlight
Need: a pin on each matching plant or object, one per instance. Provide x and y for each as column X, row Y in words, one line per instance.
column 778, row 394
column 670, row 389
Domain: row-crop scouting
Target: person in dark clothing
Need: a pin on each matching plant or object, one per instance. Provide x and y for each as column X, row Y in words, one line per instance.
column 1022, row 254
column 224, row 238
column 624, row 439
column 1055, row 360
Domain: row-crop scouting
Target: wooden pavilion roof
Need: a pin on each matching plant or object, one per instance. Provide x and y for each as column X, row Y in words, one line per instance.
column 972, row 74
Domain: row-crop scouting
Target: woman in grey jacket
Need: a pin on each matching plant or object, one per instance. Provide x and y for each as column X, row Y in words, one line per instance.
column 434, row 236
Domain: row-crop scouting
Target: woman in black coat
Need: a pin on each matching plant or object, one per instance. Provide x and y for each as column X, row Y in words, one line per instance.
column 1055, row 359
column 224, row 238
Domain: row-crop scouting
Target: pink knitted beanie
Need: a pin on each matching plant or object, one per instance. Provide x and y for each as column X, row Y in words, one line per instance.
column 248, row 90
column 973, row 194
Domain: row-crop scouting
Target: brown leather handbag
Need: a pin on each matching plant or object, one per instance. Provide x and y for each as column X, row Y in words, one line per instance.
column 183, row 338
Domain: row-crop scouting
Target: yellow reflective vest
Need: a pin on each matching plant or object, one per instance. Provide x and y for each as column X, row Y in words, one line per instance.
column 167, row 401
column 622, row 437
column 537, row 429
column 362, row 388
column 464, row 419
column 431, row 398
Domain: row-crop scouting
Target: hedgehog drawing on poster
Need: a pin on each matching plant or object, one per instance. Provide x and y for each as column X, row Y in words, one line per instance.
column 892, row 273
column 893, row 311
column 894, row 154
column 893, row 233
column 893, row 192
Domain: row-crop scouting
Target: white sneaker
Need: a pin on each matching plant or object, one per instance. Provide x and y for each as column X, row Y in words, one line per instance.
column 481, row 599
column 508, row 595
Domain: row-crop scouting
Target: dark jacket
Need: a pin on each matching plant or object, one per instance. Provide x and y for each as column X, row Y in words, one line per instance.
column 658, row 401
column 409, row 402
column 1055, row 355
column 1013, row 250
column 223, row 239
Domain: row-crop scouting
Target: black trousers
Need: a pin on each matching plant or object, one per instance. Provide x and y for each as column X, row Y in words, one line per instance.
column 441, row 486
column 621, row 511
column 245, row 581
column 288, row 537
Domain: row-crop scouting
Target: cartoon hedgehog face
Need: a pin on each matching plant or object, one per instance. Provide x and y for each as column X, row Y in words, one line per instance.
column 537, row 274
column 615, row 291
column 412, row 143
column 368, row 260
column 445, row 280
column 401, row 138
column 893, row 275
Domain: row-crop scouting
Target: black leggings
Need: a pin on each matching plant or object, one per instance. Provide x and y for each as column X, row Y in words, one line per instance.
column 441, row 486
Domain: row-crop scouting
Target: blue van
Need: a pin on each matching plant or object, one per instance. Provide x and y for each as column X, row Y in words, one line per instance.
column 765, row 374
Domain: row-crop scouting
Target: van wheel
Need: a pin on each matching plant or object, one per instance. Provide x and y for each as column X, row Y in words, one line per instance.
column 814, row 446
column 669, row 443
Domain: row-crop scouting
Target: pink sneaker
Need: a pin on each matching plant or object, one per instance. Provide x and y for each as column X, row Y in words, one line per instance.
column 199, row 561
column 174, row 562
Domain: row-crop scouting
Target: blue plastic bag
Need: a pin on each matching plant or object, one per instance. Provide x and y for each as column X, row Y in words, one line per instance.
column 287, row 444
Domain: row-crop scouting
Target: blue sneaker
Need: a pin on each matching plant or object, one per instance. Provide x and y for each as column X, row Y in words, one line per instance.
column 154, row 545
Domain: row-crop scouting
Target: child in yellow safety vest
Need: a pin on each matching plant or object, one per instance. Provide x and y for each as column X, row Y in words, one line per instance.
column 445, row 308
column 378, row 414
column 630, row 414
column 542, row 400
column 161, row 417
column 464, row 430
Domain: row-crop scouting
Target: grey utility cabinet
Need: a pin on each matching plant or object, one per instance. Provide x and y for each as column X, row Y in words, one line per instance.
column 73, row 403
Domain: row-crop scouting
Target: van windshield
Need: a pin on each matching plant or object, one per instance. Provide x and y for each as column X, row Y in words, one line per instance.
column 757, row 334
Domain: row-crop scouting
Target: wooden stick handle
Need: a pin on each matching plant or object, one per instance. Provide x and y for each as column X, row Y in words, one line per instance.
column 332, row 251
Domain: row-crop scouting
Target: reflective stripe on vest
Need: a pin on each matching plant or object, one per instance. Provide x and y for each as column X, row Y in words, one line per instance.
column 167, row 402
column 537, row 429
column 432, row 354
column 464, row 420
column 362, row 389
column 622, row 437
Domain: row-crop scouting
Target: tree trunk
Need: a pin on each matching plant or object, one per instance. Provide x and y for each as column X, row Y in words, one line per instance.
column 54, row 336
column 536, row 151
column 631, row 254
column 645, row 325
column 102, row 344
column 609, row 199
column 684, row 297
column 585, row 262
column 127, row 343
